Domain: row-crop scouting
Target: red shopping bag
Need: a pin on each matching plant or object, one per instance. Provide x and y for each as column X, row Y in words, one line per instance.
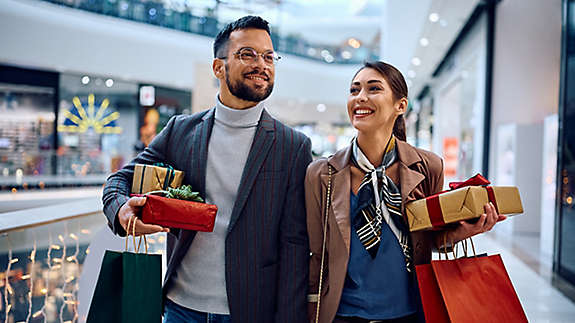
column 431, row 299
column 477, row 289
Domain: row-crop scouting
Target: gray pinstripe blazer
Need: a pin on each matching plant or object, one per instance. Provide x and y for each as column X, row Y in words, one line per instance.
column 267, row 255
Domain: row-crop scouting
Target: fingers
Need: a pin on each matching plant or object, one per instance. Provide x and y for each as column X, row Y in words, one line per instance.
column 137, row 201
column 491, row 217
column 143, row 228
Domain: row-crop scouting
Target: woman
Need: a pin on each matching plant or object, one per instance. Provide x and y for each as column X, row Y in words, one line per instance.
column 370, row 255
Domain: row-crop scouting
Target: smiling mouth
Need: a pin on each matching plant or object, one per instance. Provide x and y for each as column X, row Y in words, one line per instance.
column 257, row 77
column 362, row 112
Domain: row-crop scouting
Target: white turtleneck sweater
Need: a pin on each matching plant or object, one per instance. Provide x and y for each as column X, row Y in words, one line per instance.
column 200, row 281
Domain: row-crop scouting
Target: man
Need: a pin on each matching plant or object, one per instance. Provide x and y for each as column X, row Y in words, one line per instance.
column 254, row 266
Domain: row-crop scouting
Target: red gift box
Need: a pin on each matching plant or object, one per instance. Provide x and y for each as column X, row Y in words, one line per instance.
column 181, row 214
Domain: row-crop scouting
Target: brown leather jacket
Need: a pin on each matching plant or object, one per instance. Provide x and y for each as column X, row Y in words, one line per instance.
column 420, row 175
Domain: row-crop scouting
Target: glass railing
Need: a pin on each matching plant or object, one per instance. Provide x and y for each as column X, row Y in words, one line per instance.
column 179, row 17
column 50, row 260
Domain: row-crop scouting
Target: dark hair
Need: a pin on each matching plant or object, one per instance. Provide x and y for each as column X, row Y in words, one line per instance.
column 398, row 86
column 222, row 38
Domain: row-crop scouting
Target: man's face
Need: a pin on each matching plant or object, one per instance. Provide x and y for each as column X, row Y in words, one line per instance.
column 247, row 79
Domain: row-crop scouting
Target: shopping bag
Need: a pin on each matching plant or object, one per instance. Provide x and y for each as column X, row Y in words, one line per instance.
column 477, row 289
column 431, row 299
column 129, row 288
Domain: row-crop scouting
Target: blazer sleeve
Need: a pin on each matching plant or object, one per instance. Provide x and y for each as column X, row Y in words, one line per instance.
column 118, row 185
column 294, row 251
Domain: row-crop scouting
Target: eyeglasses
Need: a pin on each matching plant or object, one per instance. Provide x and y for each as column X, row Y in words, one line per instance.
column 249, row 56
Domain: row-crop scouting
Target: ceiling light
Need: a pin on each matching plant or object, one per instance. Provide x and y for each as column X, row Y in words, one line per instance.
column 109, row 82
column 321, row 107
column 354, row 43
column 311, row 51
column 434, row 17
column 424, row 42
column 346, row 54
column 85, row 80
column 329, row 59
column 325, row 53
column 411, row 74
column 416, row 61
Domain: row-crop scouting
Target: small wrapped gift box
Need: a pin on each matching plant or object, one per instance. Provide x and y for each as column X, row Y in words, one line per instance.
column 148, row 178
column 465, row 201
column 181, row 214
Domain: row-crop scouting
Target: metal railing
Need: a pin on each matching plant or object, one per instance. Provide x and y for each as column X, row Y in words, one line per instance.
column 181, row 18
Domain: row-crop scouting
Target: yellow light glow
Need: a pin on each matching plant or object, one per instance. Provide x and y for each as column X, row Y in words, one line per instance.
column 85, row 231
column 43, row 291
column 55, row 247
column 61, row 238
column 14, row 190
column 73, row 236
column 14, row 260
column 71, row 278
column 57, row 260
column 24, row 277
column 35, row 315
column 71, row 258
column 569, row 200
column 88, row 251
column 354, row 43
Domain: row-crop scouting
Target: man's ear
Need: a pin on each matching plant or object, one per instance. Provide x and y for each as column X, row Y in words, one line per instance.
column 218, row 68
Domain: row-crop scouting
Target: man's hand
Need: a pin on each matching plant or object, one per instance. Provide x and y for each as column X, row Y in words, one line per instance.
column 131, row 209
column 485, row 223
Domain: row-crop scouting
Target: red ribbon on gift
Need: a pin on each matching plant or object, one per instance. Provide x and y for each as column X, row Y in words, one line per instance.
column 434, row 208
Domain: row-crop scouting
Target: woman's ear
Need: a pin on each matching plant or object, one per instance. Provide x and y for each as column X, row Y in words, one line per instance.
column 401, row 107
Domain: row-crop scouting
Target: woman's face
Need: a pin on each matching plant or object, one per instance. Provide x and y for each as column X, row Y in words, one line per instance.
column 371, row 105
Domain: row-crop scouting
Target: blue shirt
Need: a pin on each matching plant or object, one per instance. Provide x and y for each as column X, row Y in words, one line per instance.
column 377, row 288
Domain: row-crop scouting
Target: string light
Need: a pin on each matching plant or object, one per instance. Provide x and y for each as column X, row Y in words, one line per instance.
column 32, row 270
column 7, row 288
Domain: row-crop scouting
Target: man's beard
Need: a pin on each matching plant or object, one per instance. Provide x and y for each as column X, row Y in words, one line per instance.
column 244, row 92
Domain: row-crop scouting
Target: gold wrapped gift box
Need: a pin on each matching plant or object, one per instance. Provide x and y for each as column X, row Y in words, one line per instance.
column 148, row 178
column 460, row 204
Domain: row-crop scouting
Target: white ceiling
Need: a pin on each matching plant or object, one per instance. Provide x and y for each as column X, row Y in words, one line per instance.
column 451, row 17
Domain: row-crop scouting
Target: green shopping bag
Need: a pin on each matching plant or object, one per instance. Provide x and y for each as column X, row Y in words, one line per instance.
column 129, row 288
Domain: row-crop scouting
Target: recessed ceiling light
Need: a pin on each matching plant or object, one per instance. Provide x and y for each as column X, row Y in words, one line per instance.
column 424, row 42
column 85, row 80
column 346, row 54
column 109, row 82
column 321, row 107
column 434, row 17
column 416, row 61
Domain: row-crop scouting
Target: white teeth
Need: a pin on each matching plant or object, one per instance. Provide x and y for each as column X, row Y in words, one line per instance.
column 256, row 78
column 363, row 111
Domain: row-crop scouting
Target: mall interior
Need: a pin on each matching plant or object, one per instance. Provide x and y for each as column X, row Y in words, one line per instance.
column 85, row 85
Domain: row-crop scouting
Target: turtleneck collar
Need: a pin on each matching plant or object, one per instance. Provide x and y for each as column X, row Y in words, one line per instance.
column 236, row 118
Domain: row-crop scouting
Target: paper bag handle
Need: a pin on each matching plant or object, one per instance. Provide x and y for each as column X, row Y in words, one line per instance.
column 136, row 246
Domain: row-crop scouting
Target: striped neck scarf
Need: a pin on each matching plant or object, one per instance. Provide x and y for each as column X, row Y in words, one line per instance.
column 381, row 199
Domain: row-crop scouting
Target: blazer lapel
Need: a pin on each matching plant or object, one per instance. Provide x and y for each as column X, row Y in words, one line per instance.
column 408, row 177
column 263, row 140
column 201, row 139
column 340, row 188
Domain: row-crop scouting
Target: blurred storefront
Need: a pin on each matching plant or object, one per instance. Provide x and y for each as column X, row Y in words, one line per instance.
column 63, row 129
column 564, row 261
column 452, row 110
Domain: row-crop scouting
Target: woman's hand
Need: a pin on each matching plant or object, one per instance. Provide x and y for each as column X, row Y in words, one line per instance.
column 485, row 223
